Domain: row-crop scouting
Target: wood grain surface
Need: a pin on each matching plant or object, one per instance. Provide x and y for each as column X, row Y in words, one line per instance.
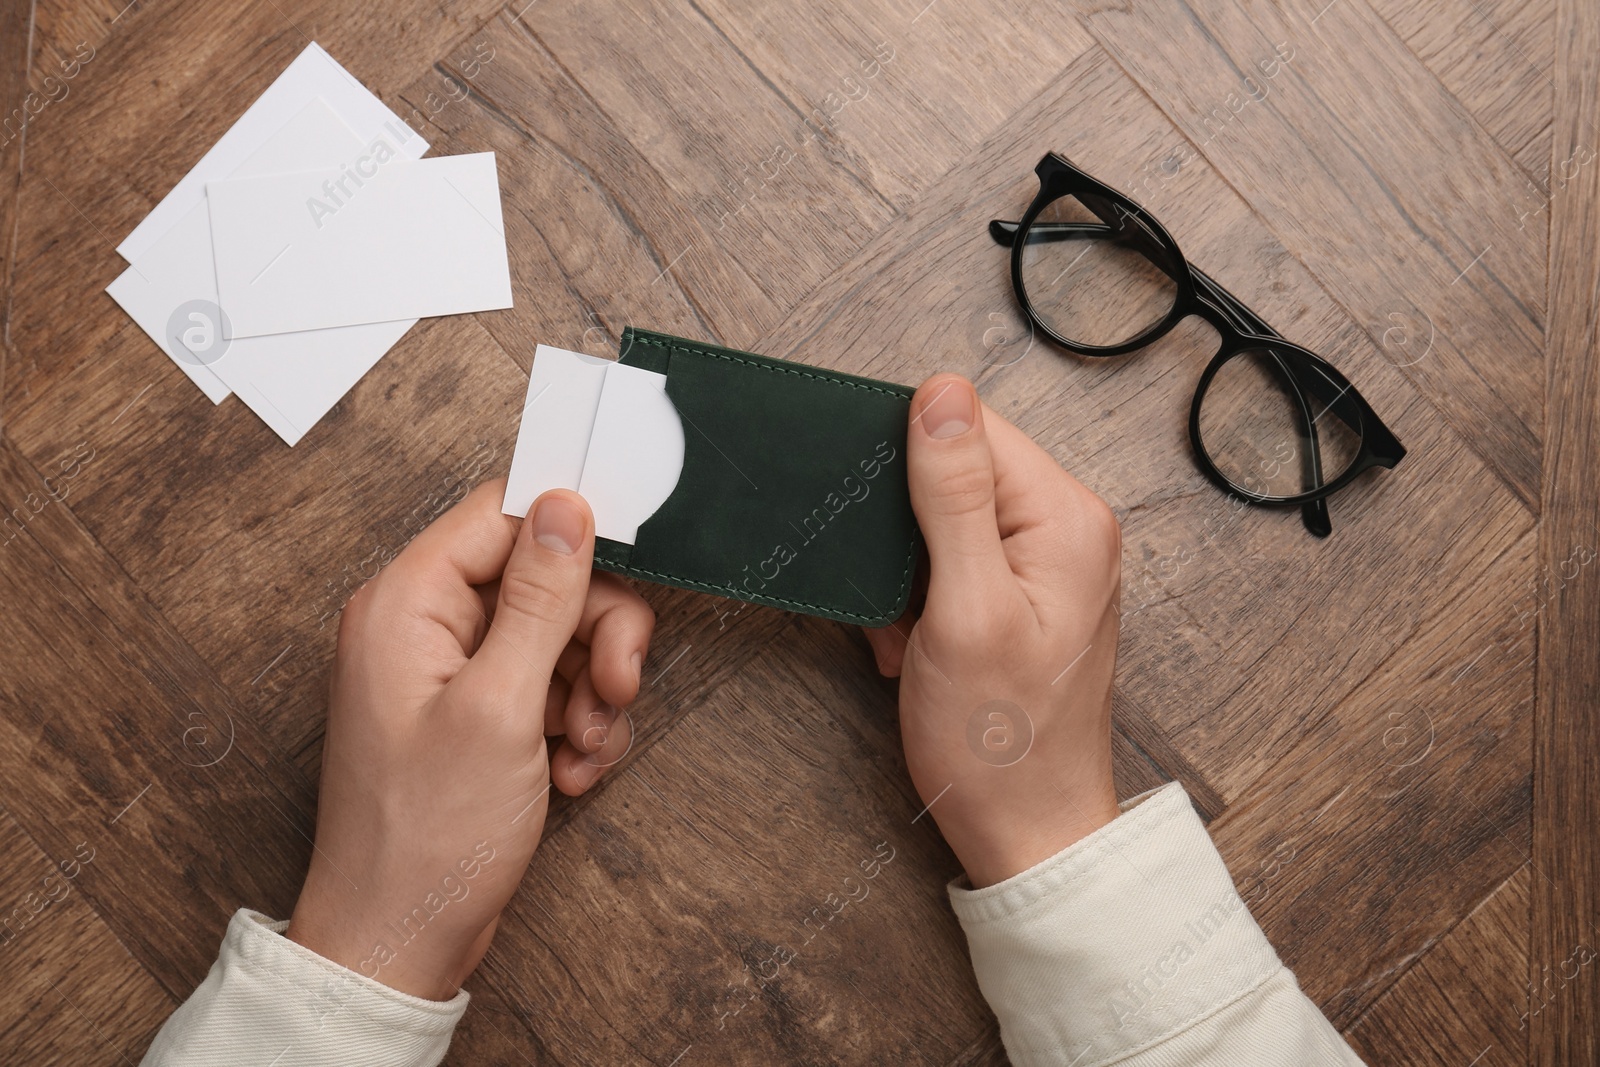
column 1392, row 733
column 1566, row 850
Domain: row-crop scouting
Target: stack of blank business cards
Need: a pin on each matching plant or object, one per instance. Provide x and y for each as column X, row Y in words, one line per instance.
column 306, row 242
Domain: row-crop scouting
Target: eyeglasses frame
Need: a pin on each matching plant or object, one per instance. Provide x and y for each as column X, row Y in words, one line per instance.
column 1241, row 329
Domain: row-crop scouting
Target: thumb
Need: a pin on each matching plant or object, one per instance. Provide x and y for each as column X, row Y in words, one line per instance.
column 952, row 491
column 541, row 596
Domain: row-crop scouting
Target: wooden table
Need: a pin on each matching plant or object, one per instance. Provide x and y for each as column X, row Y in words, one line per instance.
column 1392, row 732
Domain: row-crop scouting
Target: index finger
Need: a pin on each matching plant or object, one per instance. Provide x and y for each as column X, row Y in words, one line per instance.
column 1038, row 503
column 1027, row 479
column 433, row 577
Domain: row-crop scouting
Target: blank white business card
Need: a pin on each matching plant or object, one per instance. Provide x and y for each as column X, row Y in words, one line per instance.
column 168, row 288
column 635, row 452
column 379, row 239
column 605, row 429
column 155, row 289
column 289, row 380
column 557, row 421
column 313, row 74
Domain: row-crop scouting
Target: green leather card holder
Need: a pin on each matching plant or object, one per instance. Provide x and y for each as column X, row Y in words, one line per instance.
column 793, row 490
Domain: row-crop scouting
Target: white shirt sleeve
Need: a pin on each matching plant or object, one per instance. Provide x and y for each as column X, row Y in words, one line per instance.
column 269, row 1000
column 1132, row 947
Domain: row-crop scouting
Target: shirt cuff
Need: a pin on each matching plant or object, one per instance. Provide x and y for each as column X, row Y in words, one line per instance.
column 267, row 997
column 1116, row 943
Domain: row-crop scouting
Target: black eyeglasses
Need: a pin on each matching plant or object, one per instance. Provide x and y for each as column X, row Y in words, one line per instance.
column 1098, row 275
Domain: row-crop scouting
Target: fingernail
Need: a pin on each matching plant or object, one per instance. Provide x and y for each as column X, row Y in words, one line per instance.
column 558, row 524
column 950, row 412
column 638, row 667
column 584, row 773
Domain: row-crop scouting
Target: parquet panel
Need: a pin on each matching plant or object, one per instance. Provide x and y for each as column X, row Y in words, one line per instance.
column 1409, row 804
column 1345, row 169
column 1566, row 592
column 1495, row 57
column 73, row 986
column 1468, row 998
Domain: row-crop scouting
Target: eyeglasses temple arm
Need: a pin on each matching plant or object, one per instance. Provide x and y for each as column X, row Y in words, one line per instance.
column 1313, row 513
column 1246, row 321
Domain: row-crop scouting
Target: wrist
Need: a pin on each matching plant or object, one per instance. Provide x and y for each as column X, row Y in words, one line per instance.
column 1000, row 848
column 421, row 963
